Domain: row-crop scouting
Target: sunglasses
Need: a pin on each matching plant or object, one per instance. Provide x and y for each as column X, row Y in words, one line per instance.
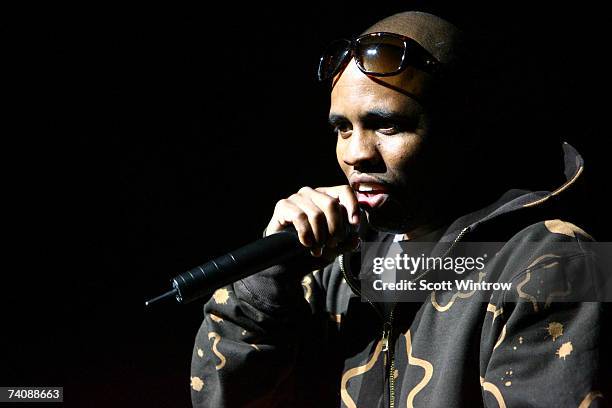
column 377, row 54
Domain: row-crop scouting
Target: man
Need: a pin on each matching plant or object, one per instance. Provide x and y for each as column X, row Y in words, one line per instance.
column 300, row 335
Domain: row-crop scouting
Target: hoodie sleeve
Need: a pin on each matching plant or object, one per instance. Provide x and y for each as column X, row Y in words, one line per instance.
column 248, row 348
column 543, row 348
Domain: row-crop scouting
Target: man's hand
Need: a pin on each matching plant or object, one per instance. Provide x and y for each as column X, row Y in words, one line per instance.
column 325, row 219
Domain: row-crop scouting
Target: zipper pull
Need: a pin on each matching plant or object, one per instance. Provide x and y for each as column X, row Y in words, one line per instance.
column 385, row 337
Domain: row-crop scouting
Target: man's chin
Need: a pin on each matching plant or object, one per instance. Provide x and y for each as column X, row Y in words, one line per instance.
column 390, row 220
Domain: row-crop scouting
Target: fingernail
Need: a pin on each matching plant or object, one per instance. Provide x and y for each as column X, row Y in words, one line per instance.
column 355, row 219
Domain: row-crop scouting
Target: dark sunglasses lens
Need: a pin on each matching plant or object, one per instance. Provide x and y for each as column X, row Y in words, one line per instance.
column 380, row 54
column 333, row 58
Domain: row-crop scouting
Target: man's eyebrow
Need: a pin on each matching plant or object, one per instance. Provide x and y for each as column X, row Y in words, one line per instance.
column 375, row 117
column 385, row 115
column 335, row 118
column 372, row 114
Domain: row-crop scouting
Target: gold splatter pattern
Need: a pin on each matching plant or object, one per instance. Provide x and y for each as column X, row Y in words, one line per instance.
column 565, row 228
column 221, row 296
column 216, row 339
column 550, row 265
column 197, row 383
column 565, row 350
column 555, row 330
column 586, row 402
column 307, row 289
column 492, row 388
column 501, row 338
column 255, row 347
column 519, row 290
column 544, row 257
column 508, row 383
column 215, row 318
column 395, row 374
column 496, row 312
column 424, row 364
column 520, row 339
column 353, row 372
column 461, row 295
column 200, row 353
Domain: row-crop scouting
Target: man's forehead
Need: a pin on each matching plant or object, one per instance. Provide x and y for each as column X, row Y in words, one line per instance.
column 352, row 85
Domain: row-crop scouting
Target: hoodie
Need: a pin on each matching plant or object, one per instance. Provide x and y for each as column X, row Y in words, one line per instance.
column 291, row 336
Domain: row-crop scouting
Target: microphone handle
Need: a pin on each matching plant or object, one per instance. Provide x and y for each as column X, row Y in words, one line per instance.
column 203, row 280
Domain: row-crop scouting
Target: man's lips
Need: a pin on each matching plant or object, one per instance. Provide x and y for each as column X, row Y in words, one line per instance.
column 372, row 200
column 370, row 192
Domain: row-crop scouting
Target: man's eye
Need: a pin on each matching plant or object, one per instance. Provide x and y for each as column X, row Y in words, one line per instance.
column 342, row 128
column 389, row 130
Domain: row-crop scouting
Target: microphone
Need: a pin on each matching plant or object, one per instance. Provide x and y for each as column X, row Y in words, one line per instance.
column 203, row 280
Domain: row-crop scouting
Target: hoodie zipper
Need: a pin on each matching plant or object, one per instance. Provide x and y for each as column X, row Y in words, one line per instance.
column 388, row 325
column 389, row 350
column 386, row 332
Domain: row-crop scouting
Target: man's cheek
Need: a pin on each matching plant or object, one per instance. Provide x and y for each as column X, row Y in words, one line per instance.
column 340, row 157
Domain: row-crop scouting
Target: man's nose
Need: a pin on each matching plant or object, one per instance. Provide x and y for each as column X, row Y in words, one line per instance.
column 361, row 149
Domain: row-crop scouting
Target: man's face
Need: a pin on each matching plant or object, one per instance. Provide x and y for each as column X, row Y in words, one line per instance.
column 381, row 130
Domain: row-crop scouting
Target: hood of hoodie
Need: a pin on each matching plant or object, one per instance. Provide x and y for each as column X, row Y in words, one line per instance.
column 515, row 200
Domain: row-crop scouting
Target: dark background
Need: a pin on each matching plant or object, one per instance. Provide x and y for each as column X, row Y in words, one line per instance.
column 147, row 140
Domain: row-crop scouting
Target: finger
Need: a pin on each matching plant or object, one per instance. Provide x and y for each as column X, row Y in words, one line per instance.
column 287, row 213
column 348, row 200
column 335, row 216
column 316, row 217
column 351, row 244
